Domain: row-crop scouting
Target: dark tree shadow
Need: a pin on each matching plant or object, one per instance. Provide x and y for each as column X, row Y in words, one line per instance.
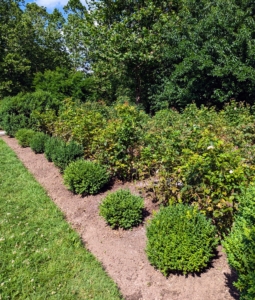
column 229, row 280
column 145, row 213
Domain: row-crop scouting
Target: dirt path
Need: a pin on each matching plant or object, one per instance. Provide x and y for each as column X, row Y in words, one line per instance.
column 122, row 252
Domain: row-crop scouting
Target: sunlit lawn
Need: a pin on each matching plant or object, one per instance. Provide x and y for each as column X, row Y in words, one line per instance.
column 41, row 257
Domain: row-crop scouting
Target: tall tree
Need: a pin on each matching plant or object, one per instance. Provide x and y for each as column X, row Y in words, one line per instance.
column 30, row 41
column 124, row 44
column 170, row 53
column 211, row 59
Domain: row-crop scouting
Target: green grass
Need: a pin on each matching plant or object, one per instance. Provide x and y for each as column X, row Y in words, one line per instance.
column 41, row 257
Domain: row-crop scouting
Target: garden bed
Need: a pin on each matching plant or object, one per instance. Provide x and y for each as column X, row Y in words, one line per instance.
column 122, row 252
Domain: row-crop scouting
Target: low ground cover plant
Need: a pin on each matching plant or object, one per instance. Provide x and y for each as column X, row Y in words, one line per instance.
column 85, row 177
column 122, row 209
column 24, row 136
column 180, row 239
column 38, row 141
column 41, row 256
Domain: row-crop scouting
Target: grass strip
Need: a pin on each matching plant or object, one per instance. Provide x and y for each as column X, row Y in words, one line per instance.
column 41, row 256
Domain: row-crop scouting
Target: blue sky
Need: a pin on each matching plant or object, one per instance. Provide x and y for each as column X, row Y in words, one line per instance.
column 51, row 4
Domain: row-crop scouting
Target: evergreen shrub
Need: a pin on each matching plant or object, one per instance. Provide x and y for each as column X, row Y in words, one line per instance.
column 24, row 136
column 65, row 153
column 180, row 239
column 20, row 111
column 12, row 117
column 37, row 143
column 85, row 177
column 122, row 209
column 50, row 147
column 240, row 245
column 62, row 153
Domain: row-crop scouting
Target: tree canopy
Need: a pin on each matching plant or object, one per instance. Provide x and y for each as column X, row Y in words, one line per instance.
column 156, row 54
column 30, row 41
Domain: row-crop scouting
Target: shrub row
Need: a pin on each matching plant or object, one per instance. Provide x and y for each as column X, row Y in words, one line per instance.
column 199, row 157
column 80, row 176
column 180, row 238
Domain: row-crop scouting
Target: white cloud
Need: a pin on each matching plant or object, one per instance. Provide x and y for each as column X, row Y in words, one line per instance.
column 53, row 3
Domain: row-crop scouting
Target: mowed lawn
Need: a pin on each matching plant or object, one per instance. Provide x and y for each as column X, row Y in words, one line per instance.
column 41, row 257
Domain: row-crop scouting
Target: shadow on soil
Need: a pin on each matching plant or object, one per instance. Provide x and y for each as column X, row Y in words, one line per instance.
column 230, row 278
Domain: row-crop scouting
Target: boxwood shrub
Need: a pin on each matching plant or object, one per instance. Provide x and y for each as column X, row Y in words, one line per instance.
column 85, row 177
column 122, row 209
column 50, row 147
column 180, row 239
column 240, row 245
column 62, row 153
column 37, row 142
column 24, row 136
column 66, row 153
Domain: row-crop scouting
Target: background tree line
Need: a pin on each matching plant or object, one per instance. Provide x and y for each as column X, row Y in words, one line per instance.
column 156, row 54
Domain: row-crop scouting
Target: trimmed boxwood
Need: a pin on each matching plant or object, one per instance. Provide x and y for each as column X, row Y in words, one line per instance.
column 62, row 153
column 180, row 239
column 50, row 147
column 122, row 209
column 85, row 177
column 37, row 143
column 24, row 136
column 240, row 245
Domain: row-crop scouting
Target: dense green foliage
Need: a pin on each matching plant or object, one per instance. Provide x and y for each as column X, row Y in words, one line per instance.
column 30, row 42
column 62, row 83
column 78, row 79
column 20, row 111
column 202, row 157
column 62, row 153
column 181, row 239
column 154, row 53
column 79, row 122
column 240, row 245
column 211, row 176
column 42, row 257
column 24, row 136
column 161, row 53
column 85, row 177
column 49, row 147
column 117, row 143
column 122, row 209
column 37, row 142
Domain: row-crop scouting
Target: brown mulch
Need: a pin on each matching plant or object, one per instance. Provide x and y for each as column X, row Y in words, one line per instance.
column 122, row 252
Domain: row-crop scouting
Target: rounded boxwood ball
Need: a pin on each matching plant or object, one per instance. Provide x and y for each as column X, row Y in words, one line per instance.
column 180, row 239
column 85, row 177
column 24, row 136
column 122, row 209
column 37, row 143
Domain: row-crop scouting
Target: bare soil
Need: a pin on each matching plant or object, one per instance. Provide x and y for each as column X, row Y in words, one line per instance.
column 122, row 252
